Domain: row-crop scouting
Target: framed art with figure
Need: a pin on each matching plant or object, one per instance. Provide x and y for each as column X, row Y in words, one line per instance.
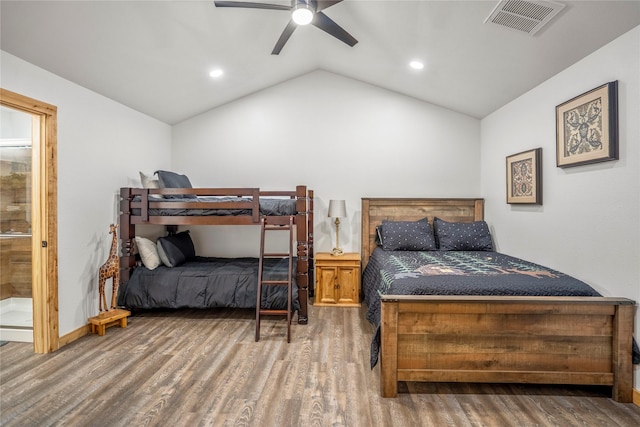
column 587, row 127
column 524, row 177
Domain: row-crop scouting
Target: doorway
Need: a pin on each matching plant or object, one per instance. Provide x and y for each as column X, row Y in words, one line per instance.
column 16, row 304
column 39, row 221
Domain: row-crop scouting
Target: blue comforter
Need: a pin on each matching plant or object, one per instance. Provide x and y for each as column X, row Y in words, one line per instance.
column 458, row 273
column 208, row 283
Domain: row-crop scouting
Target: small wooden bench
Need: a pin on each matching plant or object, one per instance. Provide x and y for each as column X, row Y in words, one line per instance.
column 101, row 322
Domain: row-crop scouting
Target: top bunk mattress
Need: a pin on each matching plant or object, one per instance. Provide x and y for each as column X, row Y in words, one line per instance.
column 268, row 207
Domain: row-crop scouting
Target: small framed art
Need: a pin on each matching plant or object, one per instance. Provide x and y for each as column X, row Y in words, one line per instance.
column 587, row 127
column 524, row 177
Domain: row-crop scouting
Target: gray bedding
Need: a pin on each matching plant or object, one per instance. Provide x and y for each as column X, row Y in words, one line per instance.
column 457, row 273
column 460, row 273
column 208, row 283
column 268, row 206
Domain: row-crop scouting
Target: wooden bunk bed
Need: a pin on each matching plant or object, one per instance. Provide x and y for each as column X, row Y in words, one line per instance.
column 173, row 207
column 501, row 339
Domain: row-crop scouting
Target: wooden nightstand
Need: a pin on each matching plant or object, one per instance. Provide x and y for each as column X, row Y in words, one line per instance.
column 337, row 279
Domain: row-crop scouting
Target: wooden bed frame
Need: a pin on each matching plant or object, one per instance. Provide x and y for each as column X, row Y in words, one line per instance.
column 303, row 221
column 496, row 339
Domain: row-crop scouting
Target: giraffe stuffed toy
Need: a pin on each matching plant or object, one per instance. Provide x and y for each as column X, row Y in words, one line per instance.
column 110, row 269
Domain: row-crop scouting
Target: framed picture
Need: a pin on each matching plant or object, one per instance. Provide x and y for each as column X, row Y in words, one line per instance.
column 587, row 127
column 524, row 177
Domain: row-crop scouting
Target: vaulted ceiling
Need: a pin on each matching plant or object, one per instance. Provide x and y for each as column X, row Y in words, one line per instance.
column 155, row 56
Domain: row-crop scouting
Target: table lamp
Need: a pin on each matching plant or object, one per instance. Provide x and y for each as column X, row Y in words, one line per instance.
column 337, row 210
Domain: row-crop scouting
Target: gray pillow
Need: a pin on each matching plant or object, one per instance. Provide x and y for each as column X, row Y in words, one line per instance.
column 460, row 236
column 407, row 236
column 176, row 249
column 173, row 180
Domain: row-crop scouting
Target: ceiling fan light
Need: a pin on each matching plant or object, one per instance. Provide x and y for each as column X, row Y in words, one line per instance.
column 302, row 13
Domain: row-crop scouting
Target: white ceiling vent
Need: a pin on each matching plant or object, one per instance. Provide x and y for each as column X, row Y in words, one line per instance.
column 527, row 16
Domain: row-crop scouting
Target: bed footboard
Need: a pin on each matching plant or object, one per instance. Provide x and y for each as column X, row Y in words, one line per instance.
column 543, row 340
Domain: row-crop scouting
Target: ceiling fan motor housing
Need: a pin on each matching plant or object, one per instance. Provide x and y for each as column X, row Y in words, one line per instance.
column 302, row 11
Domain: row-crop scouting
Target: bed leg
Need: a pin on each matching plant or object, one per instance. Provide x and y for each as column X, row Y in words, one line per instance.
column 622, row 390
column 303, row 316
column 302, row 281
column 389, row 349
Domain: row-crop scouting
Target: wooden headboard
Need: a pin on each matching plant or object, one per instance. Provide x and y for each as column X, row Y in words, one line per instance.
column 374, row 210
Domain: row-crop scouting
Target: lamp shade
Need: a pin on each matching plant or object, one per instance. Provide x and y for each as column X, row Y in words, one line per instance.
column 337, row 209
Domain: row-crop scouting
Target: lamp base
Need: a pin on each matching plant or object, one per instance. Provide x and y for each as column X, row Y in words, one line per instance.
column 337, row 252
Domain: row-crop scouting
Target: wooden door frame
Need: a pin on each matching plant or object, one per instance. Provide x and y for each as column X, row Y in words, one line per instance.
column 44, row 227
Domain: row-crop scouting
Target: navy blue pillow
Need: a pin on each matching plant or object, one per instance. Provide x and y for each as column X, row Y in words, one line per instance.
column 169, row 179
column 462, row 236
column 176, row 249
column 407, row 236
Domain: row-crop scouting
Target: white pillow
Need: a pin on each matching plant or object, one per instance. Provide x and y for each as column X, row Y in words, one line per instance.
column 148, row 252
column 148, row 181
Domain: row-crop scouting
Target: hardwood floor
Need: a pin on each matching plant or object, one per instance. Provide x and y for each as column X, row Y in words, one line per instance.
column 187, row 368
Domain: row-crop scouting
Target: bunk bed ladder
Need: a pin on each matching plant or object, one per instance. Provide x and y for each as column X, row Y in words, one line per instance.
column 278, row 225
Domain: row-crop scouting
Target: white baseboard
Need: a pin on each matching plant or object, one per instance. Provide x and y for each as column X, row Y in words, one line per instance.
column 19, row 335
column 17, row 319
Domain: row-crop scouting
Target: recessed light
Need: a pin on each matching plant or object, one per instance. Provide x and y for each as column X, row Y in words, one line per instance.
column 216, row 73
column 416, row 65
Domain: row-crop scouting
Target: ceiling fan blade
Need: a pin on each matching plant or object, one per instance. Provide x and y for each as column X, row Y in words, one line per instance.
column 251, row 5
column 288, row 30
column 323, row 4
column 325, row 23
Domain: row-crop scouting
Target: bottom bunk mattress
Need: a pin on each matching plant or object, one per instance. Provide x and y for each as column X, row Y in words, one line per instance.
column 458, row 273
column 207, row 283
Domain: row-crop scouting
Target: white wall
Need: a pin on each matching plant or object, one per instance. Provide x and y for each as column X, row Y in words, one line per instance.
column 588, row 225
column 101, row 147
column 343, row 138
column 347, row 140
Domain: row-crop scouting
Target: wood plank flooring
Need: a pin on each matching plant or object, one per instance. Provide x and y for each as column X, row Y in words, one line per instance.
column 189, row 368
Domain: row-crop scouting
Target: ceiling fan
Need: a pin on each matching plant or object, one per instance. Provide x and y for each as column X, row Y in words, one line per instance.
column 302, row 12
